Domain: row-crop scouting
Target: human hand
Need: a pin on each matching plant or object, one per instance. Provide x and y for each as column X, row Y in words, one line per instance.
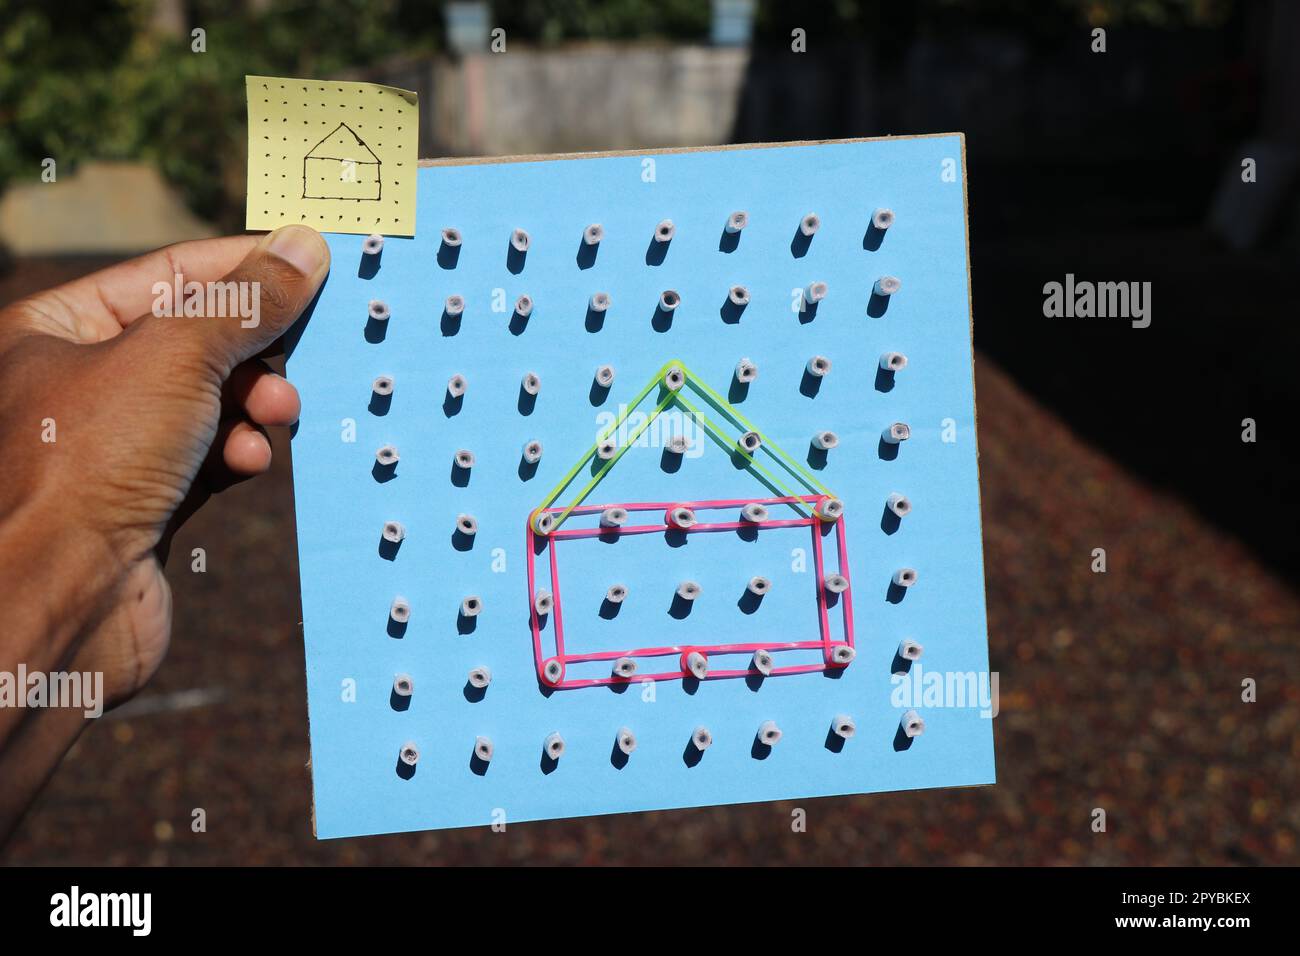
column 116, row 423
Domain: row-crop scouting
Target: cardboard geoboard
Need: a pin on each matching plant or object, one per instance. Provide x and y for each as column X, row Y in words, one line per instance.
column 399, row 632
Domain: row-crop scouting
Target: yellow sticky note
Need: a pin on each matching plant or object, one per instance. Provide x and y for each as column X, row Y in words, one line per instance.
column 337, row 156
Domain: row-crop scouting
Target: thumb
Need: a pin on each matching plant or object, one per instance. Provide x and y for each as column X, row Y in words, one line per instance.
column 257, row 301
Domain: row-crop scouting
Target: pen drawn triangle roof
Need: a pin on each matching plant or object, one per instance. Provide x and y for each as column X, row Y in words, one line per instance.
column 342, row 143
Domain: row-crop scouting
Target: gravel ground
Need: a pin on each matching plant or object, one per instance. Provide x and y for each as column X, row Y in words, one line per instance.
column 1119, row 690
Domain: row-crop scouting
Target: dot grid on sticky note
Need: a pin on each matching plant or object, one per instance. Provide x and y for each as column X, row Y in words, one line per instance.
column 687, row 515
column 334, row 155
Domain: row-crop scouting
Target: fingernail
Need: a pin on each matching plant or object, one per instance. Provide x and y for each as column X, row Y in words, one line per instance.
column 300, row 246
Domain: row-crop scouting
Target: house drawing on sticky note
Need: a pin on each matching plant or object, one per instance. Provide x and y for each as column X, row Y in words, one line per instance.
column 793, row 502
column 342, row 166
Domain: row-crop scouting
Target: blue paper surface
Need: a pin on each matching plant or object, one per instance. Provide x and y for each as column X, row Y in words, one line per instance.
column 348, row 585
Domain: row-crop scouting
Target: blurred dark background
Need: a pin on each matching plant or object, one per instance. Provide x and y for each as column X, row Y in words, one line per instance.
column 1120, row 690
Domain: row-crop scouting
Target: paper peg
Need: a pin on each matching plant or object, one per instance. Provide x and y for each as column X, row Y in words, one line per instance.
column 472, row 606
column 520, row 240
column 553, row 671
column 616, row 594
column 882, row 218
column 680, row 517
column 607, row 449
column 912, row 723
column 898, row 504
column 702, row 738
column 669, row 300
column 905, row 577
column 842, row 655
column 543, row 602
column 387, row 456
column 738, row 295
column 554, row 745
column 382, row 386
column 819, row 366
column 814, row 292
column 688, row 590
column 809, row 224
column 532, row 453
column 674, row 378
column 451, row 237
column 542, row 522
column 737, row 221
column 531, row 383
column 464, row 459
column 696, row 664
column 746, row 371
column 749, row 442
column 409, row 754
column 769, row 733
column 624, row 667
column 593, row 234
column 825, row 441
column 399, row 610
column 467, row 525
column 626, row 741
column 895, row 433
column 394, row 532
column 754, row 512
column 524, row 306
column 758, row 586
column 484, row 749
column 403, row 685
column 613, row 517
column 843, row 726
column 678, row 445
column 599, row 302
column 762, row 662
column 373, row 244
column 829, row 509
column 665, row 231
column 836, row 583
column 454, row 305
column 379, row 311
column 480, row 677
column 893, row 361
column 887, row 285
column 456, row 386
column 909, row 650
column 605, row 376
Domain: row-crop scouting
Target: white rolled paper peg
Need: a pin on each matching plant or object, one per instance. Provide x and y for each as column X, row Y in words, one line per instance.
column 909, row 650
column 471, row 606
column 769, row 733
column 737, row 221
column 912, row 723
column 626, row 741
column 887, row 285
column 697, row 665
column 399, row 610
column 819, row 366
column 613, row 517
column 905, row 577
column 898, row 504
column 895, row 433
column 843, row 726
column 480, row 677
column 373, row 244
